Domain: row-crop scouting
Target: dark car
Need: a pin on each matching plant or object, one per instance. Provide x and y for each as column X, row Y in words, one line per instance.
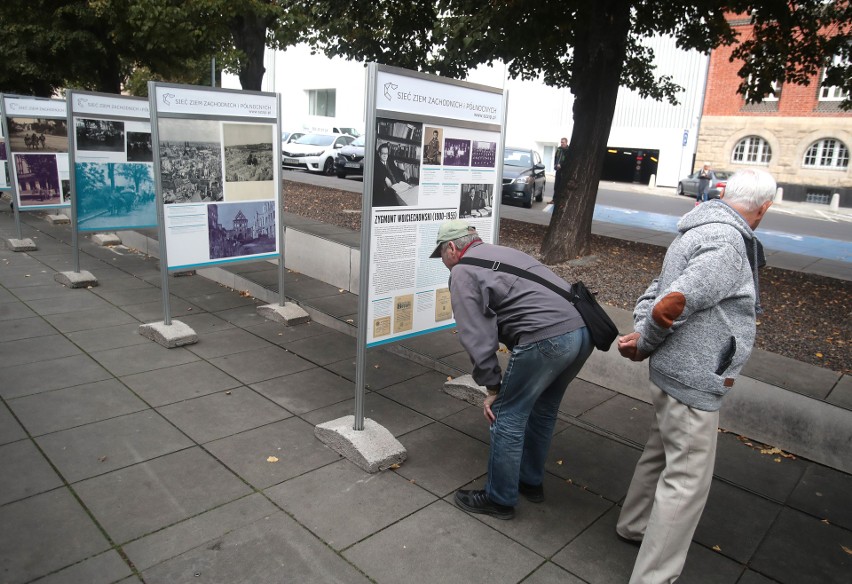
column 689, row 186
column 350, row 159
column 523, row 176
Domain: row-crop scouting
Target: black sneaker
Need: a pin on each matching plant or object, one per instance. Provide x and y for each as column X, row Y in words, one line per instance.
column 478, row 502
column 533, row 493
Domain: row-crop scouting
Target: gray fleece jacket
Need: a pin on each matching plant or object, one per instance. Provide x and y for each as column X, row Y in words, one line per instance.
column 697, row 319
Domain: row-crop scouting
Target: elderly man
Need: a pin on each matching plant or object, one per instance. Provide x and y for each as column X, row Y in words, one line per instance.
column 549, row 344
column 696, row 321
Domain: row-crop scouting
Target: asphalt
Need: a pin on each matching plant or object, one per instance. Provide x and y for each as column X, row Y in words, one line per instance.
column 123, row 461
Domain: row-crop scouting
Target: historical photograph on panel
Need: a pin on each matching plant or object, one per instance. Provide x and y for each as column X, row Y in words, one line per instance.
column 65, row 185
column 432, row 138
column 139, row 147
column 477, row 200
column 241, row 229
column 484, row 154
column 396, row 174
column 248, row 161
column 456, row 152
column 37, row 134
column 38, row 179
column 110, row 196
column 99, row 135
column 190, row 161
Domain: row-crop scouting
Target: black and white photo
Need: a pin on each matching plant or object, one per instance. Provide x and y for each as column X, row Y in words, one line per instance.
column 139, row 147
column 249, row 172
column 476, row 201
column 99, row 135
column 38, row 179
column 190, row 161
column 484, row 154
column 241, row 229
column 456, row 152
column 37, row 134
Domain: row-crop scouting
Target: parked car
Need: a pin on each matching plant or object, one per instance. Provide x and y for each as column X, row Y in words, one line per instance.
column 523, row 176
column 314, row 152
column 350, row 159
column 287, row 137
column 689, row 185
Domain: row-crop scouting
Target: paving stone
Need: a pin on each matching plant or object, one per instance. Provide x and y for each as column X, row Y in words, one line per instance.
column 436, row 345
column 280, row 334
column 306, row 289
column 114, row 337
column 101, row 447
column 747, row 467
column 324, row 349
column 52, row 411
column 25, row 472
column 183, row 382
column 547, row 527
column 154, row 312
column 600, row 464
column 624, row 416
column 425, row 394
column 25, row 328
column 15, row 311
column 393, row 417
column 267, row 550
column 469, row 551
column 471, row 421
column 256, row 366
column 105, row 568
column 429, row 465
column 841, row 395
column 31, row 378
column 291, row 441
column 51, row 531
column 790, row 374
column 825, row 493
column 581, row 396
column 130, row 296
column 195, row 531
column 750, row 577
column 802, row 549
column 27, row 279
column 10, row 429
column 205, row 323
column 320, row 498
column 383, row 369
column 145, row 497
column 140, row 358
column 37, row 293
column 728, row 510
column 307, row 390
column 550, row 573
column 222, row 300
column 226, row 342
column 244, row 316
column 36, row 349
column 72, row 301
column 338, row 306
column 89, row 319
column 222, row 414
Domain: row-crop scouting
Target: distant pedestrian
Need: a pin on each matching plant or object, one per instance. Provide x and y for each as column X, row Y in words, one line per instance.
column 560, row 160
column 696, row 321
column 703, row 183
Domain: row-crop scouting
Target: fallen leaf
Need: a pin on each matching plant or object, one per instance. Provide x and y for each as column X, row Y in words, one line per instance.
column 819, row 355
column 847, row 550
column 102, row 458
column 272, row 459
column 449, row 378
column 376, row 366
column 717, row 548
column 826, row 522
column 777, row 460
column 394, row 466
column 559, row 462
column 26, row 275
column 227, row 393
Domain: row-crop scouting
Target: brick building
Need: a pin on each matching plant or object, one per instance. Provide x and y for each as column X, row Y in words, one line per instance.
column 800, row 134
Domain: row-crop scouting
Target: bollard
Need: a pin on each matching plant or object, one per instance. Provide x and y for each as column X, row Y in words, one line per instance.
column 835, row 202
column 653, row 181
column 779, row 195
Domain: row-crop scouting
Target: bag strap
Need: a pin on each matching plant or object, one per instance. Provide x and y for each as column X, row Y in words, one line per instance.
column 496, row 266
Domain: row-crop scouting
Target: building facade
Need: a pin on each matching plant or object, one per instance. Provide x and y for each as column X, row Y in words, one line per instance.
column 800, row 134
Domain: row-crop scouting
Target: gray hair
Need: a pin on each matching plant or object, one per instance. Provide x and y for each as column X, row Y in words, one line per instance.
column 750, row 188
column 461, row 242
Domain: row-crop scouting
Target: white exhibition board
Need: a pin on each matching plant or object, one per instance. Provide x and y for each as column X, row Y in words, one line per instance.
column 4, row 161
column 218, row 180
column 113, row 160
column 37, row 149
column 438, row 148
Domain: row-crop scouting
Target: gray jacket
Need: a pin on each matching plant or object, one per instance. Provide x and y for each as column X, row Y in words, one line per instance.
column 492, row 306
column 697, row 319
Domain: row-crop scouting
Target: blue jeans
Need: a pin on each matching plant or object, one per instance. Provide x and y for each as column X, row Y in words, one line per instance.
column 525, row 409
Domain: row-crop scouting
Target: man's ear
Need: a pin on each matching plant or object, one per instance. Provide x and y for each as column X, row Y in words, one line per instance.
column 764, row 208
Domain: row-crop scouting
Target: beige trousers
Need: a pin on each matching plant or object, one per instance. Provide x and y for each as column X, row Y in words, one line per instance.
column 669, row 488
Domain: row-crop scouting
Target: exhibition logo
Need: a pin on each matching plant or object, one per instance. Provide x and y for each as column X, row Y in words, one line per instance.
column 167, row 98
column 82, row 102
column 390, row 86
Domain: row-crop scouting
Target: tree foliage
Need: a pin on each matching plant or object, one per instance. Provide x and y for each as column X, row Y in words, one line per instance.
column 593, row 48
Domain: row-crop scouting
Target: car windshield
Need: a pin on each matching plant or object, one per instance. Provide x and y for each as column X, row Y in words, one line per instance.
column 359, row 141
column 350, row 131
column 721, row 175
column 316, row 140
column 520, row 158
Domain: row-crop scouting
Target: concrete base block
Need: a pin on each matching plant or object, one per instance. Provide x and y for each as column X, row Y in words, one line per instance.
column 21, row 244
column 465, row 388
column 104, row 239
column 290, row 314
column 81, row 279
column 59, row 219
column 373, row 449
column 170, row 336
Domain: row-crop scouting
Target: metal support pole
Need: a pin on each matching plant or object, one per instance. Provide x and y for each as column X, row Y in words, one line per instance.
column 280, row 210
column 213, row 72
column 72, row 148
column 161, row 212
column 495, row 205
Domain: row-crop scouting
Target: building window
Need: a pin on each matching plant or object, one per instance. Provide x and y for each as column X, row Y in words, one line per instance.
column 769, row 97
column 818, row 196
column 832, row 92
column 752, row 150
column 828, row 153
column 321, row 102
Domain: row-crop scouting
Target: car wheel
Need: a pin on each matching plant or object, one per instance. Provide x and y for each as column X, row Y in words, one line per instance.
column 680, row 189
column 341, row 174
column 540, row 196
column 328, row 167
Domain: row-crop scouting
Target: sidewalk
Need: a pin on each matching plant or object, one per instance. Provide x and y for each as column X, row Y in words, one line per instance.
column 127, row 462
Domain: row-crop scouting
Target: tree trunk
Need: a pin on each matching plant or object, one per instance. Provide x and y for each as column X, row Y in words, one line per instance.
column 249, row 34
column 599, row 55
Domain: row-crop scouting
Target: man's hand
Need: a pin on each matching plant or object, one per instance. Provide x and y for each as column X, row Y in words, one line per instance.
column 628, row 347
column 489, row 415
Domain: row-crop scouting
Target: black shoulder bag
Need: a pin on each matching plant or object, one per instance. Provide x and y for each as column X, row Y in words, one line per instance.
column 601, row 328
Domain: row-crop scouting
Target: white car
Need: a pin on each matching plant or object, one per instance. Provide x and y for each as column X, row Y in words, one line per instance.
column 314, row 152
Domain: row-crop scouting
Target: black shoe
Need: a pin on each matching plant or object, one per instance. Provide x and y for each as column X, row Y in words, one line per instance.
column 533, row 493
column 478, row 502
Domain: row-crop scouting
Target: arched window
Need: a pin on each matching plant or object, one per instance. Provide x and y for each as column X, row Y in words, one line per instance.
column 827, row 153
column 752, row 150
